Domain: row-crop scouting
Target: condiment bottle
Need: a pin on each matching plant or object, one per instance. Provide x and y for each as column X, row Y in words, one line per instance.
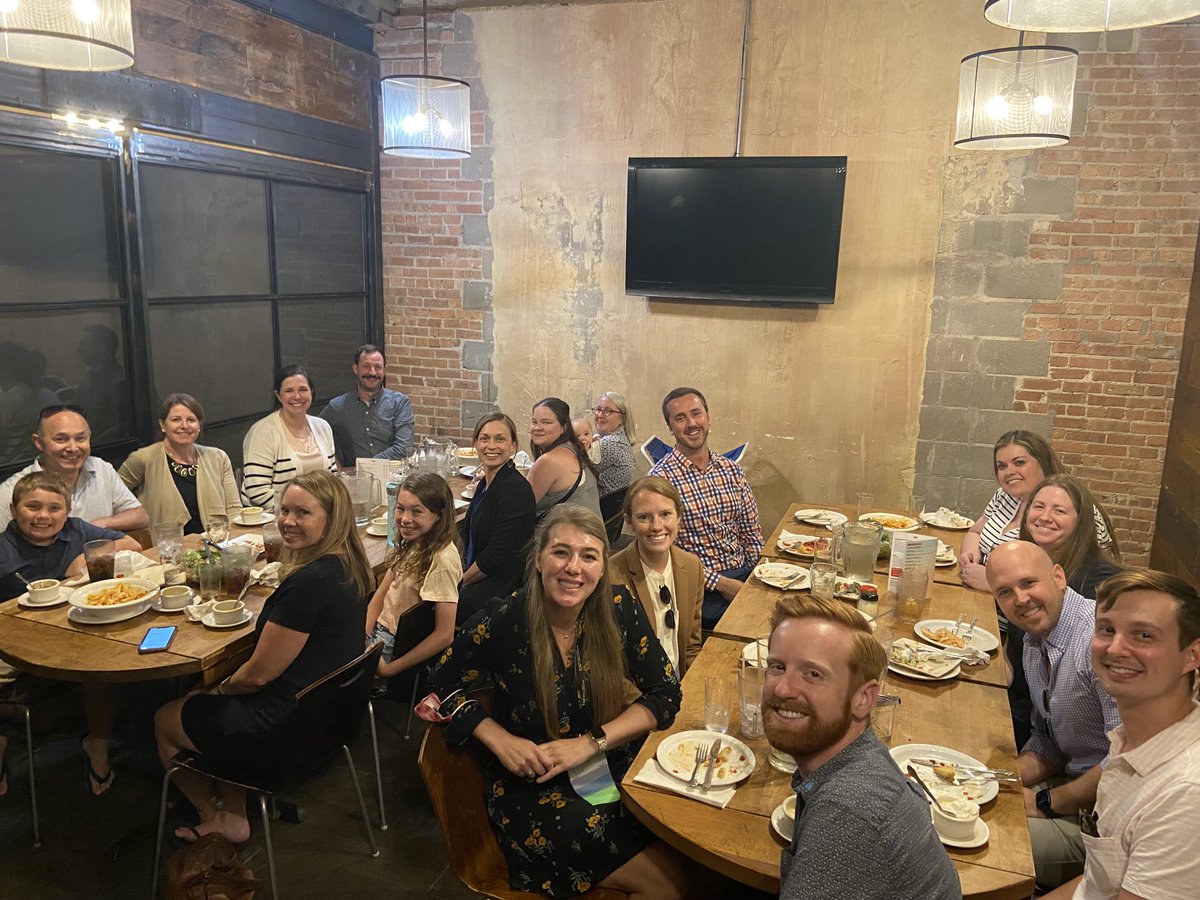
column 868, row 600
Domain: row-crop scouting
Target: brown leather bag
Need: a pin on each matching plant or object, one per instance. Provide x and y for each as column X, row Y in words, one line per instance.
column 209, row 869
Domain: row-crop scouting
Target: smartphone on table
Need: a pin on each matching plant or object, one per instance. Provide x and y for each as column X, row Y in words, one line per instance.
column 157, row 639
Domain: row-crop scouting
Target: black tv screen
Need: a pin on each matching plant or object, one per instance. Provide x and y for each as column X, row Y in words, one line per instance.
column 735, row 228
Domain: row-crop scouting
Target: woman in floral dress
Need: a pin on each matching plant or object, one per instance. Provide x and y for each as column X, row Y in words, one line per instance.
column 559, row 654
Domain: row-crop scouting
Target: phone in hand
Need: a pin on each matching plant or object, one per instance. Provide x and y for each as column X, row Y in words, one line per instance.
column 157, row 639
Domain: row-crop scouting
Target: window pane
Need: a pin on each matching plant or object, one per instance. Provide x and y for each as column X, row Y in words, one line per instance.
column 220, row 353
column 58, row 230
column 322, row 335
column 61, row 357
column 318, row 240
column 203, row 234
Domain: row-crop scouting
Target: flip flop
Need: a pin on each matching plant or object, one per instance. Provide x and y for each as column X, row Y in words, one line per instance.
column 90, row 775
column 189, row 830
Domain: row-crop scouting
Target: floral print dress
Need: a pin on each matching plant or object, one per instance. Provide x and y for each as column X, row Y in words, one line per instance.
column 554, row 841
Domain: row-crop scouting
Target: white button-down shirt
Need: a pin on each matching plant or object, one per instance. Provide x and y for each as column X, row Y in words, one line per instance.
column 99, row 492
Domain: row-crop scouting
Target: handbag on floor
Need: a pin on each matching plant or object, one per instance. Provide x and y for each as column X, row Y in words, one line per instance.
column 209, row 869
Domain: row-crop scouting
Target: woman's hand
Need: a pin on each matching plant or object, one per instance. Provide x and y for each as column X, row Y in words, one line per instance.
column 566, row 754
column 521, row 757
column 975, row 576
column 968, row 557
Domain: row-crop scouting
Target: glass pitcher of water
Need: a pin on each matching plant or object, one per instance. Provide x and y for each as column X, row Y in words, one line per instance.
column 856, row 548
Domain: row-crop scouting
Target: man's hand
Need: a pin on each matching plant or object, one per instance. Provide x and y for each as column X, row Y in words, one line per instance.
column 728, row 587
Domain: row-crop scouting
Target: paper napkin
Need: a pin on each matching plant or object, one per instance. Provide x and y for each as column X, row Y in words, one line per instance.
column 652, row 775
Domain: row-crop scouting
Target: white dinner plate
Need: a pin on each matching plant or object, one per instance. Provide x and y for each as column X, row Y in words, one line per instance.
column 460, row 505
column 750, row 653
column 467, row 471
column 979, row 793
column 981, row 639
column 906, row 672
column 677, row 756
column 25, row 603
column 82, row 615
column 791, row 543
column 962, row 523
column 78, row 597
column 468, row 492
column 376, row 532
column 826, row 517
column 238, row 520
column 782, row 575
column 782, row 824
column 875, row 517
column 208, row 620
column 978, row 839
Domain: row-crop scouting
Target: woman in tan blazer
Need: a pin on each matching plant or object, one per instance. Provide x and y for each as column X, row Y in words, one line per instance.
column 178, row 480
column 667, row 581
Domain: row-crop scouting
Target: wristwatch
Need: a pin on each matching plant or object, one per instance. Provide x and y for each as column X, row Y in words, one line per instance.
column 601, row 739
column 1043, row 804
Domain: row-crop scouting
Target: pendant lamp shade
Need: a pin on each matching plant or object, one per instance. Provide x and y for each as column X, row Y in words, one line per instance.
column 1067, row 16
column 1016, row 98
column 82, row 35
column 426, row 116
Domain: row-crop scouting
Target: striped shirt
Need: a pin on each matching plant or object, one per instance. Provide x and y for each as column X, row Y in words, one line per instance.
column 270, row 461
column 720, row 518
column 1071, row 733
column 1000, row 511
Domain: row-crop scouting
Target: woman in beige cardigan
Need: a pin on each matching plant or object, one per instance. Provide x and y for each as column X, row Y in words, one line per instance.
column 178, row 480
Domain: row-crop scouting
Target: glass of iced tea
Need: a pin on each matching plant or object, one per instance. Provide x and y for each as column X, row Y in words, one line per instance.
column 235, row 566
column 100, row 557
column 272, row 540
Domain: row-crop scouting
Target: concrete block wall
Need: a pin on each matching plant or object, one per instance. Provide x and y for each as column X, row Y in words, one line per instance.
column 1101, row 285
column 437, row 288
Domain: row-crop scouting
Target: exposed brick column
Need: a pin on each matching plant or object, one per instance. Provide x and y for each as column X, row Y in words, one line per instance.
column 437, row 288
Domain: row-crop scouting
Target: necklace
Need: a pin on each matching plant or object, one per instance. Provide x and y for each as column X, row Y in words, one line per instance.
column 302, row 440
column 181, row 468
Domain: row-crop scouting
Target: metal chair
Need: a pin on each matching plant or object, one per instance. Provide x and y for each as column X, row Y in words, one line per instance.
column 328, row 717
column 23, row 710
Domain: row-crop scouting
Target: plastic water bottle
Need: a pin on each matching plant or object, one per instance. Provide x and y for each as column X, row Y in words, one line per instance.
column 393, row 488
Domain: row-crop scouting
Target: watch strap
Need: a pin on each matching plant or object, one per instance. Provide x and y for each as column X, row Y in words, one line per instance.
column 600, row 738
column 1042, row 800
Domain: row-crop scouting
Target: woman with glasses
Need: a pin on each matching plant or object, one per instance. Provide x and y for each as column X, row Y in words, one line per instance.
column 667, row 581
column 614, row 426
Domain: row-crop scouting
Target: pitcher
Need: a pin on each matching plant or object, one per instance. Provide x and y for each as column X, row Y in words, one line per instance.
column 856, row 548
column 364, row 495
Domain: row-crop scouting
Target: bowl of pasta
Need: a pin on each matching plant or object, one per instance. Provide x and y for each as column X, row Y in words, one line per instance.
column 113, row 595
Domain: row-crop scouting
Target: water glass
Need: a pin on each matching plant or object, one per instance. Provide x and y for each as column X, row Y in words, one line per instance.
column 101, row 557
column 750, row 690
column 866, row 503
column 168, row 541
column 885, row 638
column 883, row 718
column 917, row 507
column 911, row 596
column 218, row 529
column 208, row 573
column 822, row 576
column 718, row 701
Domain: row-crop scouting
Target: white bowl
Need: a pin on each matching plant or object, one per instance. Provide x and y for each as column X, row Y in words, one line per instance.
column 79, row 595
column 176, row 596
column 44, row 590
column 228, row 611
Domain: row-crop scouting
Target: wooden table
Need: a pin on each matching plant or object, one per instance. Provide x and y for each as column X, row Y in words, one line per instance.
column 738, row 841
column 941, row 574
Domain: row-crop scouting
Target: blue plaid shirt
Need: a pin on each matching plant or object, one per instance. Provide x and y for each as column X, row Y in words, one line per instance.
column 382, row 429
column 1072, row 730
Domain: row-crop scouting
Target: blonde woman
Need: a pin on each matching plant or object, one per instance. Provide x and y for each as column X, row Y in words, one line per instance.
column 614, row 425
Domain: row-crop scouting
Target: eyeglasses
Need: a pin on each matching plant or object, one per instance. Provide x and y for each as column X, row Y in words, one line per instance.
column 665, row 596
column 602, row 411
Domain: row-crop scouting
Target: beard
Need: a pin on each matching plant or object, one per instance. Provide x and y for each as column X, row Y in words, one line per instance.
column 817, row 735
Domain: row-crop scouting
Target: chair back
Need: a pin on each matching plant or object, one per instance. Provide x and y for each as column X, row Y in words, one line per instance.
column 610, row 511
column 655, row 449
column 737, row 452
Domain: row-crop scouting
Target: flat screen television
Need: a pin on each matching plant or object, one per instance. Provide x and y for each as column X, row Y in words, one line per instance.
column 764, row 229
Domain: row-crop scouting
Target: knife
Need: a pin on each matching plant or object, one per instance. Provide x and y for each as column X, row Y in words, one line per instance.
column 974, row 770
column 712, row 764
column 787, row 584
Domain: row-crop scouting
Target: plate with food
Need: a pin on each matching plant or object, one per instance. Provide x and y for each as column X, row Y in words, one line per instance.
column 782, row 575
column 944, row 517
column 105, row 599
column 826, row 517
column 915, row 660
column 945, row 555
column 846, row 587
column 940, row 633
column 468, row 453
column 677, row 757
column 941, row 779
column 891, row 521
column 804, row 546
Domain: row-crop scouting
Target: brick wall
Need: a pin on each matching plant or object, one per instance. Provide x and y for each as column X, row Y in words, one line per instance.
column 437, row 287
column 1101, row 287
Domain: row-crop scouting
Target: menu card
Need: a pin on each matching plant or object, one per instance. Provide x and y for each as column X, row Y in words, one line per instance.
column 914, row 552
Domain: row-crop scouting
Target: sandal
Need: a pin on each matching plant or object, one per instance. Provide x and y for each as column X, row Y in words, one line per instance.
column 91, row 779
column 191, row 834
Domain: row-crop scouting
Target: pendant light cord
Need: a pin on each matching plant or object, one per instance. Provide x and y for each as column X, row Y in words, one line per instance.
column 741, row 102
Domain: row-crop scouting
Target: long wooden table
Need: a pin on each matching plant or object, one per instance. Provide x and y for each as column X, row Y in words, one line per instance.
column 969, row 713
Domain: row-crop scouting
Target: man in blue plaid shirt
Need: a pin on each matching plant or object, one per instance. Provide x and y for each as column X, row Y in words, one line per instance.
column 720, row 518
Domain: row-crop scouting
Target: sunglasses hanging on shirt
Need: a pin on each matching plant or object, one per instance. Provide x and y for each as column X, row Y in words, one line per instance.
column 665, row 596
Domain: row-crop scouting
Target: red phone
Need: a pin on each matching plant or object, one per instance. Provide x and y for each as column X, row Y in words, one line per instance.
column 157, row 639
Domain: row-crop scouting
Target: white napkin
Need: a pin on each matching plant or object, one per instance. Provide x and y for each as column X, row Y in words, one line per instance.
column 653, row 776
column 785, row 535
column 267, row 576
column 198, row 611
column 131, row 561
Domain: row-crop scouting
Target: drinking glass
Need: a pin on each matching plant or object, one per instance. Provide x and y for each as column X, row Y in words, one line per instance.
column 750, row 690
column 822, row 577
column 218, row 529
column 100, row 557
column 883, row 717
column 235, row 566
column 718, row 700
column 272, row 540
column 885, row 637
column 910, row 596
column 208, row 573
column 917, row 507
column 168, row 541
column 866, row 503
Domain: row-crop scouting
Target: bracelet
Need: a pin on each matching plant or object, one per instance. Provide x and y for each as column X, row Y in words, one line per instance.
column 221, row 686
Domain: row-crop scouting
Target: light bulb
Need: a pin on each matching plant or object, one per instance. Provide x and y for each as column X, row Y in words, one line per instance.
column 1043, row 105
column 71, row 118
column 446, row 127
column 997, row 108
column 8, row 6
column 93, row 122
column 420, row 121
column 86, row 11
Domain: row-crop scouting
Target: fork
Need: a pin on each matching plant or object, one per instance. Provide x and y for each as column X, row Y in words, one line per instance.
column 701, row 756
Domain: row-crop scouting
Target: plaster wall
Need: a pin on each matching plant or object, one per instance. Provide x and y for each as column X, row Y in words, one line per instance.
column 829, row 396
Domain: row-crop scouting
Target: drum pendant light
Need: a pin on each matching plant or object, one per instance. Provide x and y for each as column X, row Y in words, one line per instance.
column 82, row 35
column 425, row 115
column 1065, row 16
column 1016, row 98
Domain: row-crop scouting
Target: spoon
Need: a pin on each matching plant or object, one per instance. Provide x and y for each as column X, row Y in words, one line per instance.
column 925, row 788
column 22, row 579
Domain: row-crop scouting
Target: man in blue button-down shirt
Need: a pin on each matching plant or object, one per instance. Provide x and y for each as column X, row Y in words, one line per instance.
column 370, row 421
column 1072, row 713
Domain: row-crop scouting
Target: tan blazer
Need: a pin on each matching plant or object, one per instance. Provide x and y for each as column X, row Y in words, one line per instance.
column 146, row 473
column 626, row 568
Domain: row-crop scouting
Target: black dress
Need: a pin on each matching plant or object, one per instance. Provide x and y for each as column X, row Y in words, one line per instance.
column 498, row 526
column 554, row 841
column 245, row 730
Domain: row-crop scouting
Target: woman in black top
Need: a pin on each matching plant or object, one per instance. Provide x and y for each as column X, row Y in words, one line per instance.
column 499, row 522
column 1061, row 519
column 312, row 625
